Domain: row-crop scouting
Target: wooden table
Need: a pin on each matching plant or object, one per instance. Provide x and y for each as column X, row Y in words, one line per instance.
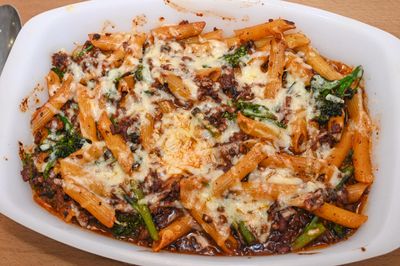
column 21, row 246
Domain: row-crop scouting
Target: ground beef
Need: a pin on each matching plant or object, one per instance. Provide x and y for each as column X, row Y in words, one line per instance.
column 121, row 128
column 227, row 82
column 206, row 88
column 152, row 183
column 165, row 48
column 173, row 194
column 189, row 244
column 60, row 60
column 314, row 201
column 160, row 86
column 71, row 116
column 327, row 138
column 228, row 152
column 28, row 170
column 38, row 137
column 163, row 216
column 239, row 136
column 245, row 94
column 50, row 190
column 336, row 128
column 286, row 228
column 217, row 120
column 338, row 197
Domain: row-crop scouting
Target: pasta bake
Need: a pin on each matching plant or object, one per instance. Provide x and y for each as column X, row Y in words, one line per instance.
column 194, row 142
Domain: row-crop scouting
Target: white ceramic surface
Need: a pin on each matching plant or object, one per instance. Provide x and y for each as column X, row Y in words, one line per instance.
column 335, row 36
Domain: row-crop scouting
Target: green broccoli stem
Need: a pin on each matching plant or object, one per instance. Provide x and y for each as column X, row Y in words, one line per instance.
column 233, row 59
column 246, row 233
column 67, row 124
column 346, row 82
column 85, row 50
column 48, row 167
column 313, row 230
column 253, row 110
column 144, row 212
column 339, row 230
column 58, row 71
column 347, row 173
column 139, row 73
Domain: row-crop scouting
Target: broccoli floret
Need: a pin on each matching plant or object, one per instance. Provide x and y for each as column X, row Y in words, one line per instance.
column 59, row 73
column 327, row 110
column 139, row 73
column 69, row 142
column 127, row 224
column 261, row 112
column 85, row 50
column 330, row 95
column 233, row 59
column 28, row 166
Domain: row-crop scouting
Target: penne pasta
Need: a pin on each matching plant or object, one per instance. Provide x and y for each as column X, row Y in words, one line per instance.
column 53, row 82
column 227, row 244
column 116, row 144
column 86, row 119
column 91, row 202
column 260, row 31
column 213, row 73
column 146, row 132
column 258, row 129
column 268, row 191
column 116, row 58
column 355, row 191
column 340, row 216
column 45, row 113
column 308, row 165
column 135, row 46
column 177, row 88
column 232, row 41
column 342, row 148
column 292, row 40
column 275, row 68
column 88, row 153
column 298, row 69
column 174, row 231
column 361, row 140
column 243, row 167
column 299, row 132
column 166, row 107
column 361, row 158
column 212, row 35
column 336, row 124
column 126, row 84
column 179, row 32
column 108, row 41
column 319, row 64
column 295, row 40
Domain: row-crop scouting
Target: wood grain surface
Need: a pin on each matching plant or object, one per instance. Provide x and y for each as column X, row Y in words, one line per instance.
column 21, row 246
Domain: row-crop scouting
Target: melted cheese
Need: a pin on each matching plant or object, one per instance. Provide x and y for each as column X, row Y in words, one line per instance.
column 182, row 147
column 252, row 74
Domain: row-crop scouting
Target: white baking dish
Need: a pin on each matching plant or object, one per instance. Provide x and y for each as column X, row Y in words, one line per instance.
column 335, row 36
